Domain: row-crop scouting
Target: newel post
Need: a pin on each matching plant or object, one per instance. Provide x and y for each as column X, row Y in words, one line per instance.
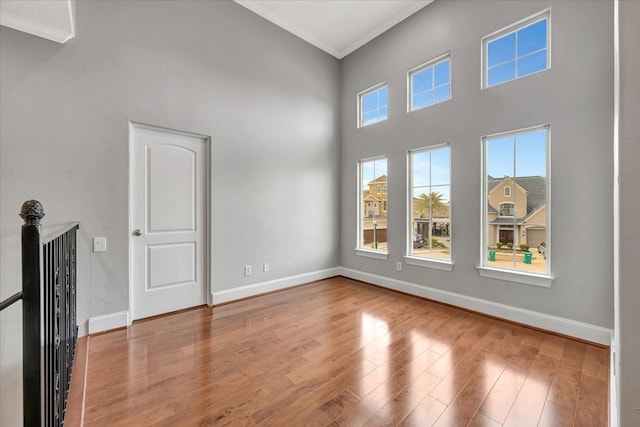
column 31, row 212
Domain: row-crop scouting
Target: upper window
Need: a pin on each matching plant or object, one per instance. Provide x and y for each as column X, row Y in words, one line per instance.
column 430, row 213
column 372, row 105
column 515, row 231
column 517, row 51
column 506, row 209
column 372, row 205
column 430, row 83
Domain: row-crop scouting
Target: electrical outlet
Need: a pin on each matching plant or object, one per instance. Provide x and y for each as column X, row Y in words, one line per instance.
column 265, row 267
column 99, row 244
column 247, row 270
column 398, row 266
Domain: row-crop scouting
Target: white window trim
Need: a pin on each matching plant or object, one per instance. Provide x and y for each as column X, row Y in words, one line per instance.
column 444, row 265
column 507, row 30
column 430, row 63
column 370, row 253
column 359, row 100
column 507, row 189
column 439, row 264
column 524, row 277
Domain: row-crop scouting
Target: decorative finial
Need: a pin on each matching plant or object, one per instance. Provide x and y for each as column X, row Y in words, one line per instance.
column 32, row 212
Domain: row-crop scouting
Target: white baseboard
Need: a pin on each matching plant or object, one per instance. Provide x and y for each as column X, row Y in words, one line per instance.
column 109, row 321
column 228, row 295
column 548, row 322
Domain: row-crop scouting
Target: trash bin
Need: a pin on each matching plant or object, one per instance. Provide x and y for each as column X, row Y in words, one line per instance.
column 492, row 255
column 527, row 257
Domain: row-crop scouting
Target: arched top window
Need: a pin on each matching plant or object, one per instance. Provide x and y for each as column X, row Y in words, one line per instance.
column 507, row 191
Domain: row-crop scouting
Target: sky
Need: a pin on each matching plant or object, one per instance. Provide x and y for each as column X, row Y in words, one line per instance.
column 520, row 155
column 431, row 85
column 517, row 54
column 431, row 172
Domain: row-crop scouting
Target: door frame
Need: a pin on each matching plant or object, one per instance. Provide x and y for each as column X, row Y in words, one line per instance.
column 206, row 211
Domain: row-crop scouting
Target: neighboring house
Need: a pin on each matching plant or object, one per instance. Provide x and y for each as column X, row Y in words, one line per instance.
column 516, row 210
column 375, row 198
column 374, row 211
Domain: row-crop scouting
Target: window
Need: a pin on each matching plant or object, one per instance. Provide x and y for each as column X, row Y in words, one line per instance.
column 430, row 207
column 430, row 83
column 506, row 209
column 517, row 51
column 516, row 221
column 372, row 205
column 372, row 105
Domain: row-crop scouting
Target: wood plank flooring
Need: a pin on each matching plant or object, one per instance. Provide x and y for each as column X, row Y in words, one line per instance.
column 341, row 353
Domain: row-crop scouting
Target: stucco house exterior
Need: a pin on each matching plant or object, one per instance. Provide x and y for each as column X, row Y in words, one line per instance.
column 374, row 211
column 516, row 210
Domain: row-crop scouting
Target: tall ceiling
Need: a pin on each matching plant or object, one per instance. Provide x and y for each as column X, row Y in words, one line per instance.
column 336, row 26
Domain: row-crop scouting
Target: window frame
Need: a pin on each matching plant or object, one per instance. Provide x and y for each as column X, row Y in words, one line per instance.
column 360, row 102
column 519, row 276
column 513, row 210
column 509, row 29
column 360, row 249
column 435, row 263
column 424, row 66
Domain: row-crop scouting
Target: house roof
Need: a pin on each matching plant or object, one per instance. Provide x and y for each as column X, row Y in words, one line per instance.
column 534, row 185
column 379, row 180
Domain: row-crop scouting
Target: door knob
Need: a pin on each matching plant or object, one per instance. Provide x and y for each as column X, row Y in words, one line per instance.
column 137, row 232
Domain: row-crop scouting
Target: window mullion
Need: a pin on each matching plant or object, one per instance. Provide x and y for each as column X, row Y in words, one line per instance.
column 516, row 58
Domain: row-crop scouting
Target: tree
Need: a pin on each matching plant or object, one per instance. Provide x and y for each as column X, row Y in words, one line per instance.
column 433, row 199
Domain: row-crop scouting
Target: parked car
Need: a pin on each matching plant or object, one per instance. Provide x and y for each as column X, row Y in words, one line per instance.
column 542, row 249
column 418, row 241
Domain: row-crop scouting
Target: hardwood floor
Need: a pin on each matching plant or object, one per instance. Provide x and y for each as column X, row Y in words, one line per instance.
column 341, row 353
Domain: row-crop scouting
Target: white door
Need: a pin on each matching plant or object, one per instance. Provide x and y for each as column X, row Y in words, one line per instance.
column 168, row 233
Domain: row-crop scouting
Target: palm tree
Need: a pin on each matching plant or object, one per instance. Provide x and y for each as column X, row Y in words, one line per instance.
column 433, row 200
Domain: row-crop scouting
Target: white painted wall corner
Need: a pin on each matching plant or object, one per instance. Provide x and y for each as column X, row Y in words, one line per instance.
column 228, row 295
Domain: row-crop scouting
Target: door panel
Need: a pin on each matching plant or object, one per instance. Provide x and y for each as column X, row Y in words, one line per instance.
column 168, row 203
column 171, row 265
column 171, row 188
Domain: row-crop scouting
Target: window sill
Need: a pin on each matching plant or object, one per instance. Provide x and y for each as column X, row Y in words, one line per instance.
column 372, row 254
column 429, row 263
column 518, row 277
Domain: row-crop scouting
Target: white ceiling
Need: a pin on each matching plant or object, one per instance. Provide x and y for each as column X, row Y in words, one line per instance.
column 336, row 26
column 50, row 19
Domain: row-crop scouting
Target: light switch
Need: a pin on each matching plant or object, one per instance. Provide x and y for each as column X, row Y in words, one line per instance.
column 99, row 244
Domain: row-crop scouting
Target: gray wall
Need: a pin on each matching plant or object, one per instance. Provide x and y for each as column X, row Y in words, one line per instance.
column 627, row 325
column 269, row 101
column 575, row 96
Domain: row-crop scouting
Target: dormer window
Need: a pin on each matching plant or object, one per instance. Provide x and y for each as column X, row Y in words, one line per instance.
column 507, row 191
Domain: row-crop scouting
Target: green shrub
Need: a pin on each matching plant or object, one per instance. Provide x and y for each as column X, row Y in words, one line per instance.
column 524, row 246
column 499, row 245
column 510, row 245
